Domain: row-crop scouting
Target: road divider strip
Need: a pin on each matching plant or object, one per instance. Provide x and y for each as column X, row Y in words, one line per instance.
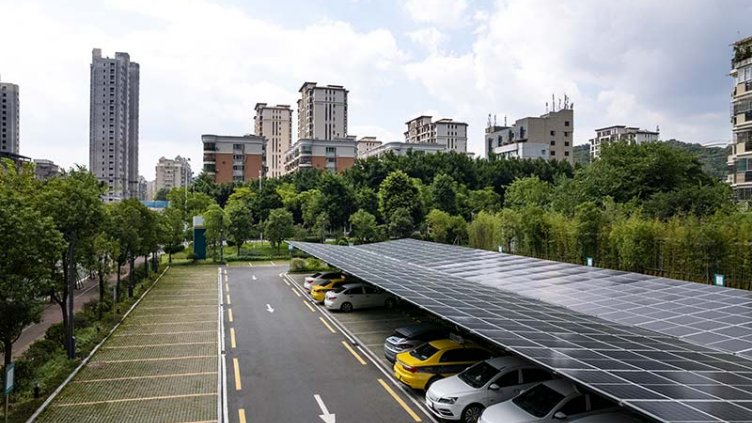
column 328, row 326
column 229, row 314
column 241, row 415
column 228, row 300
column 310, row 307
column 238, row 385
column 400, row 401
column 354, row 353
column 295, row 292
column 232, row 337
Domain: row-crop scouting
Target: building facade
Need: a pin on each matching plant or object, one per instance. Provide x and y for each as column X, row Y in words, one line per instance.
column 332, row 155
column 10, row 121
column 113, row 124
column 274, row 123
column 449, row 134
column 366, row 144
column 624, row 133
column 740, row 160
column 550, row 137
column 401, row 149
column 171, row 173
column 45, row 169
column 233, row 158
column 322, row 112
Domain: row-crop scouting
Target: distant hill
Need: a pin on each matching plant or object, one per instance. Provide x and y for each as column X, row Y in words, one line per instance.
column 713, row 159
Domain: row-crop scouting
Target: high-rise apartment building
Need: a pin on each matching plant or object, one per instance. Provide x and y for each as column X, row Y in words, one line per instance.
column 171, row 173
column 624, row 133
column 233, row 159
column 45, row 169
column 322, row 112
column 274, row 124
column 113, row 124
column 366, row 144
column 447, row 133
column 549, row 137
column 740, row 160
column 332, row 155
column 9, row 118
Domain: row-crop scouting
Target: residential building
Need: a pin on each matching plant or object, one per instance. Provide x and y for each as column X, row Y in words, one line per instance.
column 624, row 133
column 366, row 144
column 9, row 118
column 274, row 123
column 740, row 160
column 151, row 190
column 45, row 169
column 402, row 148
column 171, row 173
column 113, row 124
column 333, row 155
column 322, row 112
column 233, row 158
column 143, row 187
column 549, row 136
column 447, row 133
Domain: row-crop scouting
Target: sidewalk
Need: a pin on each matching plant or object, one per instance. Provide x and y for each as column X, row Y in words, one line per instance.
column 52, row 313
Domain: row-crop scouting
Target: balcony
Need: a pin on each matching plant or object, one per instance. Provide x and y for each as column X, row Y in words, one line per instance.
column 210, row 158
column 210, row 168
column 210, row 147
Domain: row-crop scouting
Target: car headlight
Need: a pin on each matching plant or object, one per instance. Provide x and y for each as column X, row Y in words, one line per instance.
column 448, row 400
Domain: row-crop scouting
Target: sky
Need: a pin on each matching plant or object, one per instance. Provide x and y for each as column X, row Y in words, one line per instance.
column 206, row 63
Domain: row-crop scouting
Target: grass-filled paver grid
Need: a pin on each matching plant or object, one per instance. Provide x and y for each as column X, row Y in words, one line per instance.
column 161, row 363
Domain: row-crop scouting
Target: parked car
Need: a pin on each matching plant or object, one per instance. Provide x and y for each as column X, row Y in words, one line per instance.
column 611, row 417
column 318, row 291
column 429, row 362
column 552, row 401
column 465, row 395
column 358, row 295
column 409, row 337
column 312, row 280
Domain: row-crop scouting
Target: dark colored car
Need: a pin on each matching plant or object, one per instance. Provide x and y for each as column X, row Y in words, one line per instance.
column 409, row 337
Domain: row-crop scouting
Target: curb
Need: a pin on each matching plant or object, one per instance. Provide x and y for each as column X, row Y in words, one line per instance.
column 75, row 371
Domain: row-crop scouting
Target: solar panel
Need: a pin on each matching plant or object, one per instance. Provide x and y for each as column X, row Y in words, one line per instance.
column 625, row 363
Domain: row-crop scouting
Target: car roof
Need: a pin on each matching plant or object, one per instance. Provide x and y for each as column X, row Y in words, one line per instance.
column 353, row 285
column 561, row 386
column 612, row 417
column 443, row 344
column 412, row 331
column 507, row 361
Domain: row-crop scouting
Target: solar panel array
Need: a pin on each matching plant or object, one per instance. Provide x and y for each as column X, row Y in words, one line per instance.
column 658, row 375
column 707, row 315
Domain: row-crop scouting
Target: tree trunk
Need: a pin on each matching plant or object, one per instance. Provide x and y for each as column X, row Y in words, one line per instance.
column 117, row 283
column 169, row 256
column 131, row 277
column 103, row 265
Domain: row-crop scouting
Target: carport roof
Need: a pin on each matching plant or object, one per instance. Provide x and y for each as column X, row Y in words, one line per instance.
column 657, row 374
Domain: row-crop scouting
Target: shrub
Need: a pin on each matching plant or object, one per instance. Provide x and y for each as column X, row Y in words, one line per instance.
column 297, row 265
column 174, row 249
column 312, row 263
column 56, row 333
column 191, row 256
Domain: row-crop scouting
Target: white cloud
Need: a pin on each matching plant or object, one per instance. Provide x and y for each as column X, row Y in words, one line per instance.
column 442, row 13
column 428, row 38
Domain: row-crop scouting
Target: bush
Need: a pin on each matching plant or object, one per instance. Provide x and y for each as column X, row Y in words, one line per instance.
column 191, row 256
column 56, row 333
column 174, row 249
column 297, row 265
column 312, row 263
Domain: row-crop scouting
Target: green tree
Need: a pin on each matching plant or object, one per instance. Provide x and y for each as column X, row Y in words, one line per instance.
column 363, row 226
column 528, row 192
column 483, row 231
column 321, row 227
column 215, row 221
column 444, row 228
column 401, row 223
column 339, row 199
column 368, row 200
column 484, row 199
column 172, row 230
column 161, row 195
column 278, row 226
column 73, row 201
column 240, row 222
column 29, row 240
column 312, row 204
column 399, row 192
column 126, row 220
column 444, row 193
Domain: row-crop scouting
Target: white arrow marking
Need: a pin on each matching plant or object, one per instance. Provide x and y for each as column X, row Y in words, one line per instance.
column 325, row 416
column 254, row 277
column 269, row 308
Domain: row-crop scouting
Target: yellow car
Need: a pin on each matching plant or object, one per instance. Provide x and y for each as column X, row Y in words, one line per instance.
column 318, row 292
column 429, row 362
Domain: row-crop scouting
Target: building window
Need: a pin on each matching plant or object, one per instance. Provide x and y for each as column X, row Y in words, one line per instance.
column 553, row 142
column 553, row 133
column 566, row 134
column 566, row 153
column 566, row 123
column 566, row 143
column 553, row 153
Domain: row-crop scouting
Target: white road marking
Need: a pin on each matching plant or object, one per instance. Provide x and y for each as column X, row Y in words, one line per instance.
column 269, row 308
column 253, row 277
column 325, row 415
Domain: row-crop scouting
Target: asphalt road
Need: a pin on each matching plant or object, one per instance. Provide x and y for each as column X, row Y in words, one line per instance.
column 291, row 365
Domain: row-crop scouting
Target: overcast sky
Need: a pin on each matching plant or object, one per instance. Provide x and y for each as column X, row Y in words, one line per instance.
column 204, row 64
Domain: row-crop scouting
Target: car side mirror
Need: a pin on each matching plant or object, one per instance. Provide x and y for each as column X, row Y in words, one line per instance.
column 494, row 387
column 560, row 415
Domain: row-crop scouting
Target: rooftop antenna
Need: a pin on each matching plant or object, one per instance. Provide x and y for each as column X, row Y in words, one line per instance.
column 553, row 103
column 494, row 119
column 657, row 128
column 546, row 107
column 505, row 120
column 489, row 120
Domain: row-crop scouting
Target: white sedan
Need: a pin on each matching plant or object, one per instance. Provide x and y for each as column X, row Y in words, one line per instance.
column 358, row 295
column 464, row 396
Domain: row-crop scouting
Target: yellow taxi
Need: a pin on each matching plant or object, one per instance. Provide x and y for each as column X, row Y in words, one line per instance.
column 318, row 292
column 434, row 360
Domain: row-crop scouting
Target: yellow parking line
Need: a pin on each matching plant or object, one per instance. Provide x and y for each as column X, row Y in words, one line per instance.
column 228, row 299
column 250, row 264
column 399, row 400
column 134, row 399
column 232, row 337
column 241, row 415
column 238, row 386
column 285, row 281
column 229, row 314
column 331, row 329
column 112, row 379
column 354, row 353
column 309, row 306
column 295, row 292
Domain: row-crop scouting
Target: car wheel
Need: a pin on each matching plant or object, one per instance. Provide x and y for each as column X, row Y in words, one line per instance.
column 431, row 381
column 390, row 303
column 472, row 413
column 346, row 307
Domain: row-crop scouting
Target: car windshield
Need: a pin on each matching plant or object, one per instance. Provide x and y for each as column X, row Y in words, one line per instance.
column 338, row 290
column 538, row 401
column 424, row 352
column 478, row 375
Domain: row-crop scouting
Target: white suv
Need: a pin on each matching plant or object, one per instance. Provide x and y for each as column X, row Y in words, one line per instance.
column 358, row 295
column 465, row 395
